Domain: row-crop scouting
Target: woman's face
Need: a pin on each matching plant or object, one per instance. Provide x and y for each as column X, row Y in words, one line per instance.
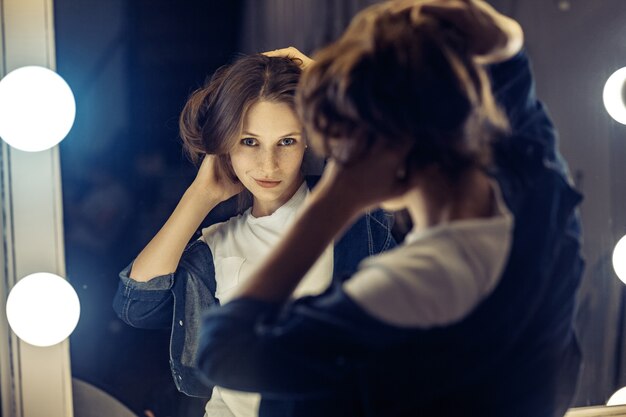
column 268, row 155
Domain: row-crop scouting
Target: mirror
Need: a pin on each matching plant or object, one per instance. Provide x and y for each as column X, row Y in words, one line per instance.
column 132, row 65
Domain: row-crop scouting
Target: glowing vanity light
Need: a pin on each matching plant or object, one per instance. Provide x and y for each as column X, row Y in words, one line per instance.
column 614, row 95
column 619, row 259
column 43, row 309
column 37, row 108
column 619, row 398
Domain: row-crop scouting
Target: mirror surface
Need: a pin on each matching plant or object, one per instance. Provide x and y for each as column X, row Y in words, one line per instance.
column 132, row 65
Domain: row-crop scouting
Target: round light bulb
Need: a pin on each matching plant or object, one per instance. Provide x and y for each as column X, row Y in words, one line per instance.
column 619, row 259
column 618, row 398
column 37, row 108
column 43, row 309
column 614, row 95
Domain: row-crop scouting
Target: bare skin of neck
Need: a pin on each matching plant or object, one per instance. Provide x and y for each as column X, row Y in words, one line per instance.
column 435, row 200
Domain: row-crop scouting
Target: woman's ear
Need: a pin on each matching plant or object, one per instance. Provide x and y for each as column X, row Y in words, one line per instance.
column 411, row 172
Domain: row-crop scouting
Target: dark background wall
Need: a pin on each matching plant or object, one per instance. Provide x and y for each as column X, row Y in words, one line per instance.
column 132, row 65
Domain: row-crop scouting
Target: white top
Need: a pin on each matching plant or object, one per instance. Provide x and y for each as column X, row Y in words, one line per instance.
column 238, row 246
column 438, row 275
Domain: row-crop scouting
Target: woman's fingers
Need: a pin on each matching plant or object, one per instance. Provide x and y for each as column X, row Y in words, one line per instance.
column 212, row 178
column 481, row 25
column 378, row 175
column 291, row 53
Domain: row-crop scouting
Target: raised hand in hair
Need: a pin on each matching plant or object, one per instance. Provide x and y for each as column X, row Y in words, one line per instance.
column 292, row 53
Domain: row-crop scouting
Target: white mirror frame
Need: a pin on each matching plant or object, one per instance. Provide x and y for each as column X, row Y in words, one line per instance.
column 34, row 381
column 598, row 411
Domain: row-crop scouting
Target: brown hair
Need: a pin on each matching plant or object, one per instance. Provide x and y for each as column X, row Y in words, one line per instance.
column 400, row 79
column 212, row 118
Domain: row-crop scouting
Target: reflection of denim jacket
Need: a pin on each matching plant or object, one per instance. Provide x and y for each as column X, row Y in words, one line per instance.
column 178, row 300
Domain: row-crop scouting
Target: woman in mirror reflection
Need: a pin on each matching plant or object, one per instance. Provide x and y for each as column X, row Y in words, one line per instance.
column 243, row 130
column 429, row 106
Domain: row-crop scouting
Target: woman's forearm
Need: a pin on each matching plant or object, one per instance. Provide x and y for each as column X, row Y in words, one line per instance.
column 162, row 255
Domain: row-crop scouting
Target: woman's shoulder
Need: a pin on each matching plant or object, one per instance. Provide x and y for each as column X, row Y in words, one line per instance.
column 218, row 231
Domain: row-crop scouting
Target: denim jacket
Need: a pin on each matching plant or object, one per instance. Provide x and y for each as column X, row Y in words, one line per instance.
column 178, row 300
column 515, row 354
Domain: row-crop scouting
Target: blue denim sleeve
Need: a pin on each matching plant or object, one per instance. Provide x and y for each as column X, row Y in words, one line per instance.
column 146, row 305
column 150, row 305
column 532, row 130
column 310, row 348
column 514, row 89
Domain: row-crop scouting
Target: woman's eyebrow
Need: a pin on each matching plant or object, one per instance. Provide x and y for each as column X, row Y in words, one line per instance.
column 295, row 133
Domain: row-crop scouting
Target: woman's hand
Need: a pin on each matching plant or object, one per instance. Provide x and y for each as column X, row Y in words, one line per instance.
column 492, row 37
column 213, row 182
column 162, row 255
column 363, row 184
column 292, row 53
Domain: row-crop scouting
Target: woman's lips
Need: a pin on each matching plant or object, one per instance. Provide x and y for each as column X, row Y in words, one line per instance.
column 267, row 183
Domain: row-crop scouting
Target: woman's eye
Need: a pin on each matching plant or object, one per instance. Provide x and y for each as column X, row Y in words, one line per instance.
column 286, row 141
column 248, row 141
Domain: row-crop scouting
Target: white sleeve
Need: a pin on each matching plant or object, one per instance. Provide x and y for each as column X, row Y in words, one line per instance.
column 209, row 234
column 440, row 276
column 424, row 294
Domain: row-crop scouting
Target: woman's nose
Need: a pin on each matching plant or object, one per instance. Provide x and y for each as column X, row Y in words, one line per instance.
column 269, row 161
